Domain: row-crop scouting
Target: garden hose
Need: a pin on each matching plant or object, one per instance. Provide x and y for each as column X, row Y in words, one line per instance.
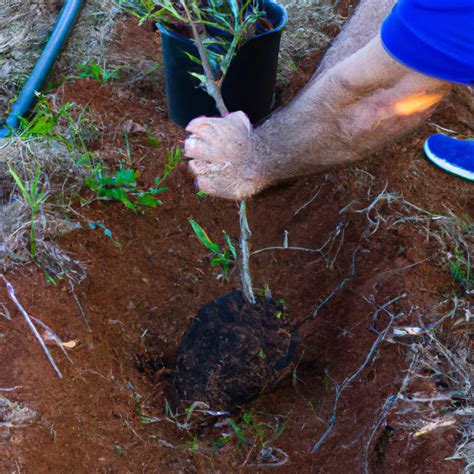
column 62, row 29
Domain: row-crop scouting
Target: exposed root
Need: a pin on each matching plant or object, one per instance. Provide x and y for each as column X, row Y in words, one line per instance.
column 341, row 386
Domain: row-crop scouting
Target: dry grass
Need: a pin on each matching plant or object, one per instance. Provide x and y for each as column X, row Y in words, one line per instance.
column 24, row 28
column 312, row 25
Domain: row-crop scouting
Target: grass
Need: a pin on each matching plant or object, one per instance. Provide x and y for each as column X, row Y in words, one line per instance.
column 54, row 166
column 35, row 197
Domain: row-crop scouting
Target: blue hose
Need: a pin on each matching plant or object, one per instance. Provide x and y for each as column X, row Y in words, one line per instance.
column 62, row 29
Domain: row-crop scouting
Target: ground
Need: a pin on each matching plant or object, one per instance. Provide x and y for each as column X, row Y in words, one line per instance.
column 109, row 412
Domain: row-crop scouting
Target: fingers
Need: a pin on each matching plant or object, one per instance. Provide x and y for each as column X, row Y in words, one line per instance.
column 198, row 124
column 219, row 182
column 235, row 118
column 195, row 147
column 210, row 180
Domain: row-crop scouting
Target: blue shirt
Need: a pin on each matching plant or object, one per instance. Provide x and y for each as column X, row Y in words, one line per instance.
column 434, row 37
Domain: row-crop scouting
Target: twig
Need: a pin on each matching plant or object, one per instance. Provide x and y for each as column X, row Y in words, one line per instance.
column 263, row 452
column 10, row 389
column 211, row 84
column 11, row 294
column 340, row 387
column 79, row 305
column 282, row 247
column 52, row 335
column 384, row 307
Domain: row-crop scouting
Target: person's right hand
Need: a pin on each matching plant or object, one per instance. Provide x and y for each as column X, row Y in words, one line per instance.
column 224, row 156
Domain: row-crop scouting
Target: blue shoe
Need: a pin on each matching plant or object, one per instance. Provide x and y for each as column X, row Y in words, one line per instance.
column 451, row 155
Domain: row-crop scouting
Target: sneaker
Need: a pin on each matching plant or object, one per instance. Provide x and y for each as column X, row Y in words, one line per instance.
column 451, row 155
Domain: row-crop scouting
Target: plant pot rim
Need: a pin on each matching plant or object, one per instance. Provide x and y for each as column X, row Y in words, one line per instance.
column 278, row 27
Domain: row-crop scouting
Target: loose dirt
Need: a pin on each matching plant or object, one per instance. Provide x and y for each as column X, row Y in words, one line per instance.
column 140, row 300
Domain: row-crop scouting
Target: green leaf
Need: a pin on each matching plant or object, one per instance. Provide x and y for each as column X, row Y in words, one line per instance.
column 219, row 260
column 193, row 58
column 204, row 238
column 152, row 140
column 20, row 184
column 230, row 244
column 200, row 77
column 237, row 431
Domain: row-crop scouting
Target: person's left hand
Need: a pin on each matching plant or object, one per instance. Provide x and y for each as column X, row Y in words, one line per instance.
column 224, row 157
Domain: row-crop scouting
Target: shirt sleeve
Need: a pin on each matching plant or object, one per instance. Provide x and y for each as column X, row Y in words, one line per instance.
column 434, row 37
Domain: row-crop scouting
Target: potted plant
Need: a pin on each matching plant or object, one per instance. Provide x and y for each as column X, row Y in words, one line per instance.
column 242, row 40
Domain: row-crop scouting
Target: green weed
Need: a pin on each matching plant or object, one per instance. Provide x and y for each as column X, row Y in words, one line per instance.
column 122, row 184
column 44, row 123
column 461, row 269
column 252, row 433
column 98, row 73
column 226, row 258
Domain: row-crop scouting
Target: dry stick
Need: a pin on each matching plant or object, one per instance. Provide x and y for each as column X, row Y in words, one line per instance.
column 11, row 294
column 215, row 92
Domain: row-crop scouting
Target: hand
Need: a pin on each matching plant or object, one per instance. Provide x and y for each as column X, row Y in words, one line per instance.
column 224, row 156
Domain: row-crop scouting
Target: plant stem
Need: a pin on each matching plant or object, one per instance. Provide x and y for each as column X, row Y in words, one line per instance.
column 211, row 84
column 214, row 90
column 245, row 235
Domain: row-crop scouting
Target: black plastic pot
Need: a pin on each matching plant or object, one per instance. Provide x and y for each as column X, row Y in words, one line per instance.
column 250, row 81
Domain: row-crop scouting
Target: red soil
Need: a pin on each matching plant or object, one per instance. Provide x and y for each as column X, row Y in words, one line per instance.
column 140, row 300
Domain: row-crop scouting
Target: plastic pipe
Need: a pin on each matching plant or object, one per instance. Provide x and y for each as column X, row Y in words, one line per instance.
column 62, row 29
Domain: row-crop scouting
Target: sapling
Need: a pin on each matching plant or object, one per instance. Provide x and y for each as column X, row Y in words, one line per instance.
column 213, row 88
column 236, row 20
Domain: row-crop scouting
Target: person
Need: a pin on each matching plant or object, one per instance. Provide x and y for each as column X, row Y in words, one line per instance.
column 385, row 73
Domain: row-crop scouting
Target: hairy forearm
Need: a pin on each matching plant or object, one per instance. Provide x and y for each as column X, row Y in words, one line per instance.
column 349, row 111
column 342, row 115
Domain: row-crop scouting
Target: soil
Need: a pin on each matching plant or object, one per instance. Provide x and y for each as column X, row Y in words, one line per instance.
column 110, row 412
column 233, row 352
